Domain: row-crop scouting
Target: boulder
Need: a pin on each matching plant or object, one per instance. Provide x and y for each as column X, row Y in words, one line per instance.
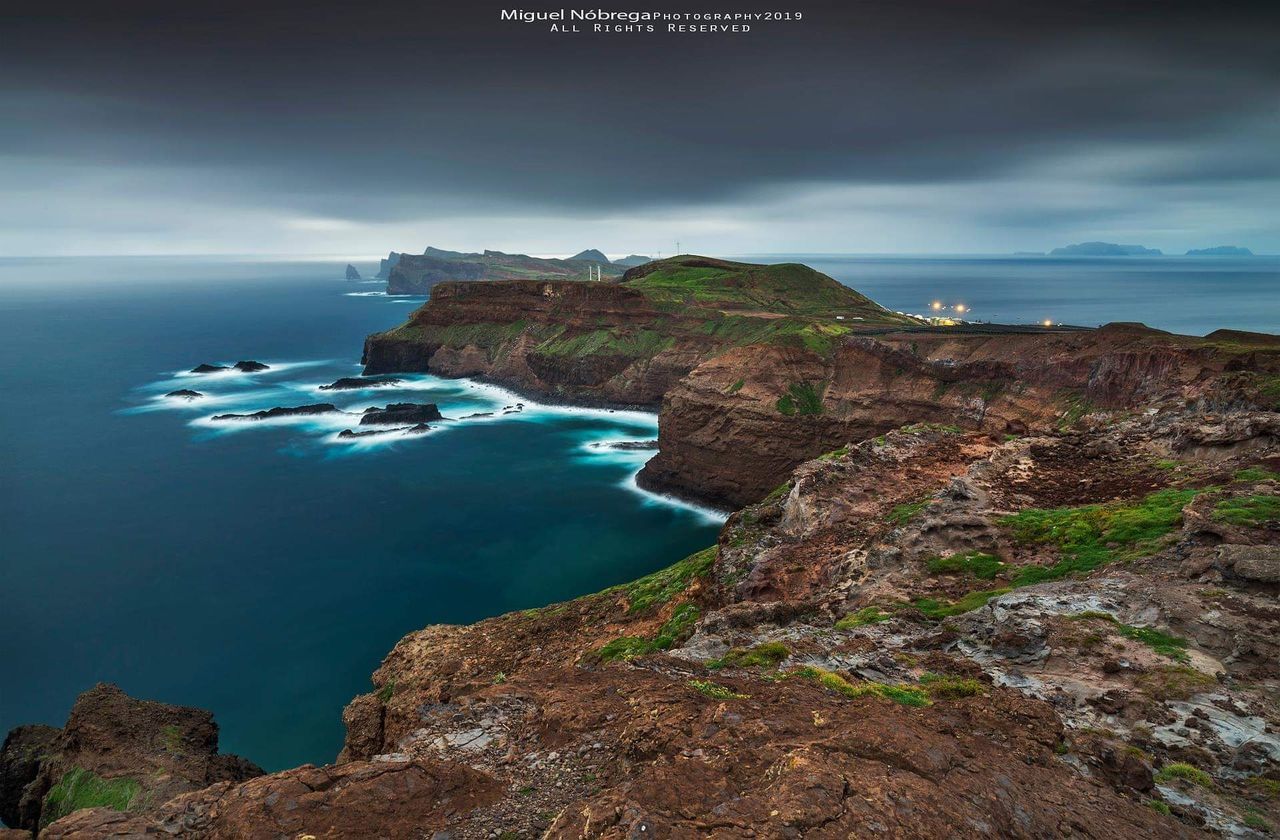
column 250, row 366
column 208, row 368
column 1258, row 563
column 185, row 394
column 356, row 383
column 401, row 414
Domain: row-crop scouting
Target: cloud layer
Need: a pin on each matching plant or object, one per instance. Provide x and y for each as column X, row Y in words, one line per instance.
column 868, row 127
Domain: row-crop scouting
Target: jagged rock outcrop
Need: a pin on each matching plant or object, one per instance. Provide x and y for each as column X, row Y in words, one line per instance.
column 281, row 411
column 352, row 272
column 401, row 414
column 359, row 383
column 136, row 754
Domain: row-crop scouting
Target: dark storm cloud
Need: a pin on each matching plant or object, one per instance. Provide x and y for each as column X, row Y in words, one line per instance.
column 398, row 111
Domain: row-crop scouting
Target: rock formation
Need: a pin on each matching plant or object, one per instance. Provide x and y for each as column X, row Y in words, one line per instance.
column 186, row 394
column 401, row 414
column 358, row 383
column 281, row 411
column 117, row 752
column 352, row 273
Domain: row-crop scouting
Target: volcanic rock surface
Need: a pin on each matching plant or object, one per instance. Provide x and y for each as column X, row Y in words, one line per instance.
column 400, row 414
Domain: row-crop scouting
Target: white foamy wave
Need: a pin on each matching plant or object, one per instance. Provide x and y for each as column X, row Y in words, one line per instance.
column 382, row 439
column 707, row 513
column 231, row 373
column 364, row 294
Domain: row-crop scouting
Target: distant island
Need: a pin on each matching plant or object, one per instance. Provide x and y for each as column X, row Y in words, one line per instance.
column 352, row 273
column 1220, row 251
column 1104, row 249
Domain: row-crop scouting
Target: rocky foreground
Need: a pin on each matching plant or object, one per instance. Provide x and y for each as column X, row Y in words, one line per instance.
column 1036, row 600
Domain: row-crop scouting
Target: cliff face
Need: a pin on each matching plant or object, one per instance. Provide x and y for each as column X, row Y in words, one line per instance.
column 575, row 341
column 624, row 343
column 736, row 426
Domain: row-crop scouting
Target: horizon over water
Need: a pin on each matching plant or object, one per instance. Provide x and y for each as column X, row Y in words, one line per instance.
column 262, row 570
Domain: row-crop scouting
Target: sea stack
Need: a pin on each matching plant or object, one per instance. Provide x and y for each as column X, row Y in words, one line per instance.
column 352, row 274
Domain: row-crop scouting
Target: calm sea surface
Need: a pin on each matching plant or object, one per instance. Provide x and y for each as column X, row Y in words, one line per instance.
column 263, row 570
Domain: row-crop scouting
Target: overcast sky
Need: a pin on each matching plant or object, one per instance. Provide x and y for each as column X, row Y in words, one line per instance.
column 356, row 128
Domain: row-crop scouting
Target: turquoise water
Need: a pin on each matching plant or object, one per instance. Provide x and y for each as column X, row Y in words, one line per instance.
column 263, row 570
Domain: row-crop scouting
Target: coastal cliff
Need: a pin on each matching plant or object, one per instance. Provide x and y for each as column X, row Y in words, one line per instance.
column 758, row 368
column 1010, row 582
column 624, row 343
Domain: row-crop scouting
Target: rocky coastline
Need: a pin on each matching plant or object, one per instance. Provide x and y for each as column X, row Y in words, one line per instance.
column 1005, row 581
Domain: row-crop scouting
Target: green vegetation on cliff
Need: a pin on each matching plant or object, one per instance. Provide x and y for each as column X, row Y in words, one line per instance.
column 1090, row 536
column 784, row 289
column 79, row 788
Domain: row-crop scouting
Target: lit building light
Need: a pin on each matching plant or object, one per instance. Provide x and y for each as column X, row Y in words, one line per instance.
column 936, row 305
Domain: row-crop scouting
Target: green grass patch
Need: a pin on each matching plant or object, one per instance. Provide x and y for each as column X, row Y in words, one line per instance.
column 904, row 695
column 1093, row 535
column 768, row 654
column 171, row 739
column 938, row 610
column 802, row 398
column 976, row 563
column 675, row 629
column 79, row 788
column 1162, row 643
column 1257, row 822
column 947, row 687
column 387, row 691
column 652, row 591
column 716, row 691
column 1186, row 772
column 1159, row 807
column 736, row 387
column 640, row 344
column 1249, row 511
column 902, row 514
column 1174, row 682
column 1256, row 474
column 834, row 454
column 866, row 615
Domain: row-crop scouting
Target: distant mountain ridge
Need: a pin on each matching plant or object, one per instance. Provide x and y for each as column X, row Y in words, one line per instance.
column 413, row 274
column 1105, row 249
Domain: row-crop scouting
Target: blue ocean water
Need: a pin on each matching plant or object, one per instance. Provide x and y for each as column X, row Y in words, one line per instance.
column 263, row 570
